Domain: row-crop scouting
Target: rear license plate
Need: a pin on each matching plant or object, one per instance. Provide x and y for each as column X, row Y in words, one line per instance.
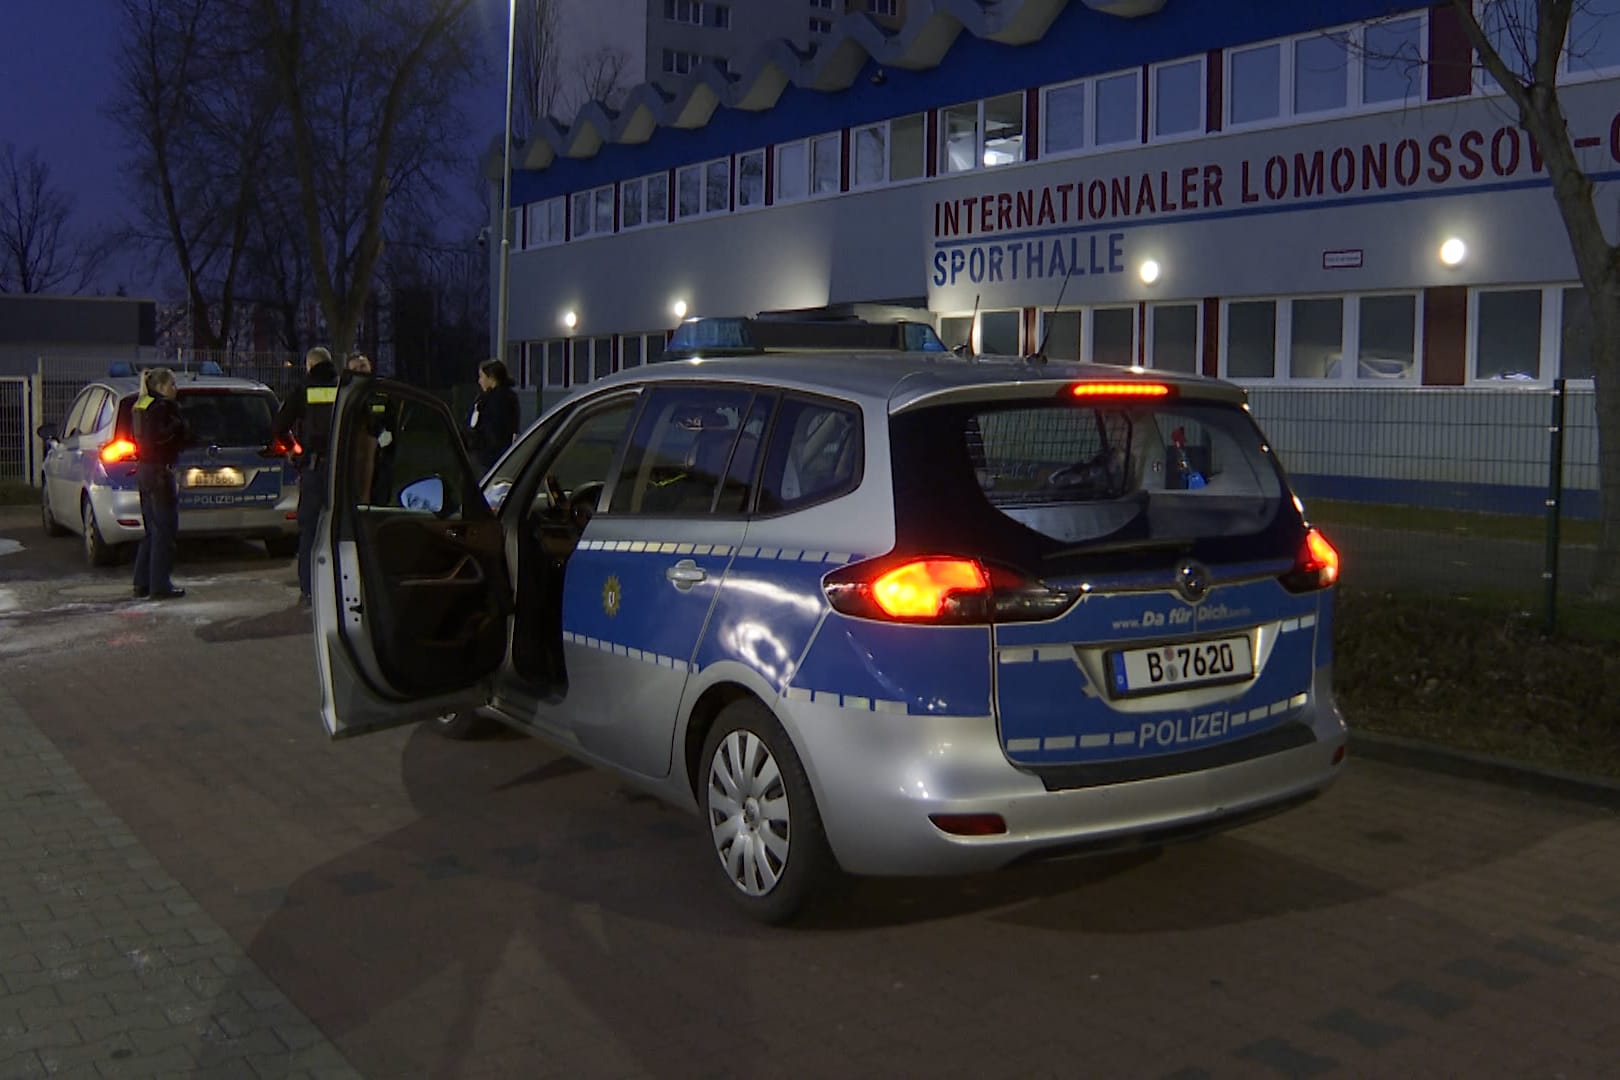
column 212, row 478
column 1184, row 664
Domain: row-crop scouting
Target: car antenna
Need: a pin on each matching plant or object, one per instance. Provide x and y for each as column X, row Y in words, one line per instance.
column 1046, row 331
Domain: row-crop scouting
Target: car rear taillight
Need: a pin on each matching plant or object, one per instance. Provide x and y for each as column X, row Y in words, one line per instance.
column 283, row 446
column 1315, row 567
column 942, row 589
column 116, row 451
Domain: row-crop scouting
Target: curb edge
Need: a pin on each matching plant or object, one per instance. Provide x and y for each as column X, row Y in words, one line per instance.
column 1417, row 754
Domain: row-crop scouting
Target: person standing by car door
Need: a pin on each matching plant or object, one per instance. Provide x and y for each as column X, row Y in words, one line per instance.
column 307, row 415
column 160, row 434
column 494, row 420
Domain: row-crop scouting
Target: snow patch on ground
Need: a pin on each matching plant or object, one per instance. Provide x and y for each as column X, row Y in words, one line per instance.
column 10, row 547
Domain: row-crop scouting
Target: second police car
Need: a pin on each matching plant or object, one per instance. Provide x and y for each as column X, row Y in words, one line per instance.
column 894, row 614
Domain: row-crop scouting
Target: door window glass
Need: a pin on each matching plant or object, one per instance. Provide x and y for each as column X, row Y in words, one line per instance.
column 74, row 424
column 587, row 451
column 405, row 454
column 815, row 455
column 683, row 450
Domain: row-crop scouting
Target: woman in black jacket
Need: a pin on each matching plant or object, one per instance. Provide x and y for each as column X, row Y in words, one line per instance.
column 494, row 420
column 161, row 432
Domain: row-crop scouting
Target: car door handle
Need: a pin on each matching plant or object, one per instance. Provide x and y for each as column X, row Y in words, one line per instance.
column 685, row 574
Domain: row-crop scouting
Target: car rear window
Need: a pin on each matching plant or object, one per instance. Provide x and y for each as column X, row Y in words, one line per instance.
column 230, row 418
column 1035, row 479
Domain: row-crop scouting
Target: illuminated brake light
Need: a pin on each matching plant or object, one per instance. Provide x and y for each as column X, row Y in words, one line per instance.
column 116, row 451
column 920, row 590
column 1316, row 566
column 1119, row 389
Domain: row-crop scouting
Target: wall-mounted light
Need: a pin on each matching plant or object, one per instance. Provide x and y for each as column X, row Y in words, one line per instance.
column 679, row 308
column 570, row 319
column 1453, row 252
column 1149, row 271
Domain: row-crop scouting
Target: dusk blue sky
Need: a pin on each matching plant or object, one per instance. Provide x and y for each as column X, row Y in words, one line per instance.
column 56, row 74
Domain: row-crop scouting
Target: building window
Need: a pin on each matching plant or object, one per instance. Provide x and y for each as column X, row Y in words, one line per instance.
column 885, row 8
column 792, row 171
column 644, row 201
column 1256, row 80
column 751, row 179
column 1316, row 338
column 1113, row 336
column 593, row 212
column 999, row 333
column 582, row 215
column 1178, row 98
column 982, row 133
column 1386, row 337
column 820, row 26
column 684, row 11
column 956, row 332
column 908, row 147
column 1507, row 329
column 1064, row 119
column 701, row 190
column 630, row 351
column 1251, row 339
column 1117, row 110
column 1392, row 61
column 556, row 367
column 601, row 357
column 1593, row 44
column 580, row 369
column 825, row 161
column 1061, row 335
column 602, row 197
column 545, row 222
column 720, row 17
column 1173, row 337
column 678, row 62
column 870, row 146
column 1321, row 73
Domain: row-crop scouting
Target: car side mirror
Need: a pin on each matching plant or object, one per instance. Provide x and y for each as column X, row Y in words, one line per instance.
column 47, row 432
column 426, row 494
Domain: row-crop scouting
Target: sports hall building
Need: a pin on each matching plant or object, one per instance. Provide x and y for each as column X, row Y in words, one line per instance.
column 1300, row 197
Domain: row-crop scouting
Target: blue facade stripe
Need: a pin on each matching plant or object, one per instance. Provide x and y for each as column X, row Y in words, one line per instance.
column 1079, row 43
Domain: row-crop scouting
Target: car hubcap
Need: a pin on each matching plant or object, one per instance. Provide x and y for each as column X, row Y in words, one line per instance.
column 748, row 813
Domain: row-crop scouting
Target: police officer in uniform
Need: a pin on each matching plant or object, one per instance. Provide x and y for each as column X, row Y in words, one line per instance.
column 307, row 415
column 160, row 434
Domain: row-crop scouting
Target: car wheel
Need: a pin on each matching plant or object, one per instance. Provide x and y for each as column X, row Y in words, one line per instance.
column 760, row 815
column 281, row 547
column 47, row 519
column 97, row 552
column 464, row 724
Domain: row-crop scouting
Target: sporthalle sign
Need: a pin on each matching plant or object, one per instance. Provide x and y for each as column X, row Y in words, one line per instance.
column 1076, row 219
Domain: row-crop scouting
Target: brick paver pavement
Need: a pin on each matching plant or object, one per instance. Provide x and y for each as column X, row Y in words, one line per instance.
column 108, row 965
column 492, row 909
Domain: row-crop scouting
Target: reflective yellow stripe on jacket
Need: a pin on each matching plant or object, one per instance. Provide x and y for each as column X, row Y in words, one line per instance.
column 143, row 401
column 320, row 395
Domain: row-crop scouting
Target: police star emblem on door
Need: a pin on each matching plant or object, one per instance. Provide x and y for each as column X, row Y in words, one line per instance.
column 612, row 595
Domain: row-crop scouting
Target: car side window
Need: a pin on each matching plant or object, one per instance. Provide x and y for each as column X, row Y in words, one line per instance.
column 586, row 454
column 74, row 424
column 104, row 414
column 815, row 454
column 691, row 445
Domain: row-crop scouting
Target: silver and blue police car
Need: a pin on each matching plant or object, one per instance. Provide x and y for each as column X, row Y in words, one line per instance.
column 894, row 614
column 229, row 484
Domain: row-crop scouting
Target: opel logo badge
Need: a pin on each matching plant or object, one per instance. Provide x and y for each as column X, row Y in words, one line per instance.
column 1192, row 581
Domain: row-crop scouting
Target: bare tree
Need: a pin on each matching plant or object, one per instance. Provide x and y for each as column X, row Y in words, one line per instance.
column 38, row 253
column 197, row 118
column 368, row 89
column 602, row 76
column 1522, row 45
column 538, row 69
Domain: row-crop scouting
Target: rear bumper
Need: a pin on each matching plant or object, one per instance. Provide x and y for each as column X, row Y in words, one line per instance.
column 118, row 512
column 879, row 776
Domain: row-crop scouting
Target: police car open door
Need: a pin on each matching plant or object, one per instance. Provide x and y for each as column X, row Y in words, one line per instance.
column 409, row 578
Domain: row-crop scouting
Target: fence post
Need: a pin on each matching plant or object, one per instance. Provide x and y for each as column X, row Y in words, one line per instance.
column 1555, row 500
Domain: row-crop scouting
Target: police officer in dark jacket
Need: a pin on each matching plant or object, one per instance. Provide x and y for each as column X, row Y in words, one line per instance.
column 307, row 416
column 160, row 434
column 495, row 415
